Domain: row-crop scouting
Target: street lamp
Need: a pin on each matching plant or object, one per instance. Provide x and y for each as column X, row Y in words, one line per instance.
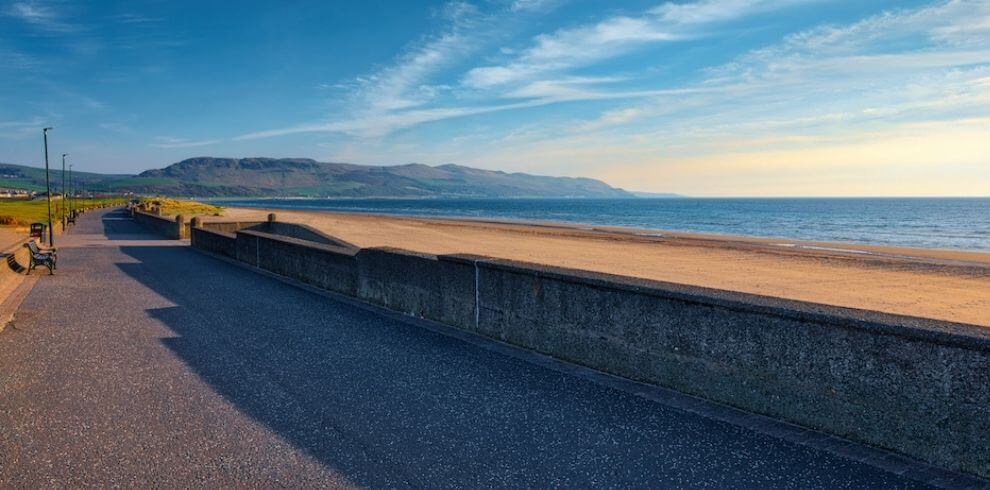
column 65, row 222
column 48, row 186
column 71, row 189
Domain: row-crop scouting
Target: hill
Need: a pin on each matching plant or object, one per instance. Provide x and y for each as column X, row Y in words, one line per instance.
column 301, row 177
column 33, row 178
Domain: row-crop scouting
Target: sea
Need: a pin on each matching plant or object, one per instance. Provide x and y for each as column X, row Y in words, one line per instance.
column 945, row 223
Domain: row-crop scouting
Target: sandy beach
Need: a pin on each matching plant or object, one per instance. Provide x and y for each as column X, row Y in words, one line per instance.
column 939, row 284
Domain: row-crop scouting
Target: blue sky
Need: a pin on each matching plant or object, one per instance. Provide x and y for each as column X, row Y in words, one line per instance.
column 707, row 97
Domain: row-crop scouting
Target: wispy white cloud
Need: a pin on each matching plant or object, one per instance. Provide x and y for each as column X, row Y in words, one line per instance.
column 403, row 84
column 400, row 94
column 170, row 142
column 898, row 63
column 614, row 36
column 827, row 84
column 21, row 128
column 383, row 123
column 12, row 59
column 135, row 18
column 613, row 117
column 831, row 98
column 533, row 5
column 41, row 15
column 91, row 103
column 116, row 127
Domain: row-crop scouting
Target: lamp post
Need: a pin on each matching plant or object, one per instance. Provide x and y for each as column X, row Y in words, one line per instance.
column 71, row 189
column 48, row 186
column 65, row 219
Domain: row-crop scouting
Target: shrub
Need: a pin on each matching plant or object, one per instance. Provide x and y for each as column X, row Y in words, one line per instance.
column 8, row 220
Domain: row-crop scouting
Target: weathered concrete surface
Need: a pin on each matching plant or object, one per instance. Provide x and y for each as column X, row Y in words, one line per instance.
column 168, row 227
column 215, row 241
column 303, row 232
column 920, row 387
column 144, row 363
column 229, row 226
column 14, row 283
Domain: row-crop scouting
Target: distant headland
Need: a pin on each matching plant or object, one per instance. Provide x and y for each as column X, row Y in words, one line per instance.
column 303, row 177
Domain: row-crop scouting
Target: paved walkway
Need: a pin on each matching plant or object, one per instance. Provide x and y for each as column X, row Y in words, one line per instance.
column 9, row 237
column 145, row 363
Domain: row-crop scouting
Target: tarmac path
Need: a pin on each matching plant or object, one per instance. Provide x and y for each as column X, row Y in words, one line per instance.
column 143, row 362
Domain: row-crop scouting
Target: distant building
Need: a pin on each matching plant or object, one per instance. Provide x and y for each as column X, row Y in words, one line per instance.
column 15, row 193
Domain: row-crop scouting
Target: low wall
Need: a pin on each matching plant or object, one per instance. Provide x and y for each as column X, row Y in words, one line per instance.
column 915, row 386
column 166, row 227
column 231, row 226
column 12, row 270
column 322, row 265
column 281, row 228
column 302, row 232
column 218, row 242
column 15, row 261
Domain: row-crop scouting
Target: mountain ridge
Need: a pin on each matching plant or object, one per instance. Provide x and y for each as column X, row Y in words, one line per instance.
column 306, row 177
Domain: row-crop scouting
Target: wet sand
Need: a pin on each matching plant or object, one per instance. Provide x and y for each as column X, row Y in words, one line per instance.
column 938, row 284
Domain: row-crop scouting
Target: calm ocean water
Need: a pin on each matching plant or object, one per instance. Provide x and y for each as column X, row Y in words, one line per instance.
column 953, row 223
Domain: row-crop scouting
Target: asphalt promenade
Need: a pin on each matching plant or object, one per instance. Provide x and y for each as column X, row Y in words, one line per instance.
column 144, row 363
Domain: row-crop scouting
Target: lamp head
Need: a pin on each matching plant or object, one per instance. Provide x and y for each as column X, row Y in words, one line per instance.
column 46, row 129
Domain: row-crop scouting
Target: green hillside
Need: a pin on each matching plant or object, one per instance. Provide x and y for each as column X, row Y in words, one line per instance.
column 298, row 177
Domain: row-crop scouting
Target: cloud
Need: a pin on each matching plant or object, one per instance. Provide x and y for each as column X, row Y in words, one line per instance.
column 21, row 128
column 831, row 81
column 169, row 142
column 14, row 60
column 614, row 36
column 41, row 16
column 898, row 64
column 402, row 85
column 116, row 127
column 134, row 18
column 91, row 103
column 380, row 124
column 399, row 95
column 611, row 118
column 533, row 5
column 903, row 89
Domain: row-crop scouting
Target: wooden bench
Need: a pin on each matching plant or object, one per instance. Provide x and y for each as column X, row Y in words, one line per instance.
column 48, row 258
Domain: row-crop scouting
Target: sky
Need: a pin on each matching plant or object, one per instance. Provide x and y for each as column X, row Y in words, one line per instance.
column 702, row 97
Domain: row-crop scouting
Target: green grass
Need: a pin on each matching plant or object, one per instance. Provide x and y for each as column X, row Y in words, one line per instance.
column 23, row 213
column 186, row 208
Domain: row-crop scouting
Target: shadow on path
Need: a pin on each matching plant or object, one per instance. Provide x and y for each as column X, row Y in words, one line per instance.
column 116, row 225
column 387, row 403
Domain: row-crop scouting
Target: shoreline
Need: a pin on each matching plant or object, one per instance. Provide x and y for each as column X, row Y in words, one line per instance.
column 926, row 283
column 857, row 244
column 943, row 256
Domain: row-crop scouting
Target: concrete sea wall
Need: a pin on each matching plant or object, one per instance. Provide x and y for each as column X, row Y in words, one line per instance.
column 218, row 242
column 916, row 386
column 12, row 273
column 230, row 227
column 174, row 228
column 178, row 228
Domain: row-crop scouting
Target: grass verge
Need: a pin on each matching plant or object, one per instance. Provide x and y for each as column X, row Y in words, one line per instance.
column 22, row 213
column 185, row 208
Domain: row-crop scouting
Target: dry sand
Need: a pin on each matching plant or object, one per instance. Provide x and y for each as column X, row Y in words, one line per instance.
column 939, row 284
